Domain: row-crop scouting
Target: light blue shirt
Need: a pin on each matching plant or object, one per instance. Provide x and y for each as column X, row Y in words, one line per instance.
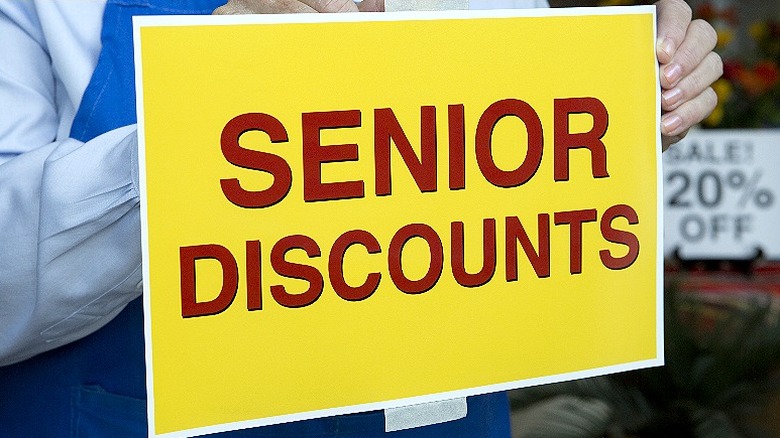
column 69, row 215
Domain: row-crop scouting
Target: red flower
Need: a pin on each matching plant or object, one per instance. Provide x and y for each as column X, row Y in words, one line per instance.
column 732, row 69
column 705, row 11
column 768, row 72
column 730, row 15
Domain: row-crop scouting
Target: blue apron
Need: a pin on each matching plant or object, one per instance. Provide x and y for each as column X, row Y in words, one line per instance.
column 95, row 387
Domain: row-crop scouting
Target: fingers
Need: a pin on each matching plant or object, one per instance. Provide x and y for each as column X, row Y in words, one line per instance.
column 331, row 5
column 693, row 111
column 699, row 42
column 371, row 6
column 694, row 84
column 688, row 68
column 674, row 16
column 294, row 6
column 236, row 7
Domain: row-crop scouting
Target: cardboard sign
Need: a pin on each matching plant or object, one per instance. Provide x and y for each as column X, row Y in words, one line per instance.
column 720, row 192
column 353, row 212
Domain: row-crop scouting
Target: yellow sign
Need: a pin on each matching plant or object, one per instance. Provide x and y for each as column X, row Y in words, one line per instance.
column 361, row 211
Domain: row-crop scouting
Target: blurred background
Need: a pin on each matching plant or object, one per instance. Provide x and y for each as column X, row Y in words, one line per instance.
column 722, row 266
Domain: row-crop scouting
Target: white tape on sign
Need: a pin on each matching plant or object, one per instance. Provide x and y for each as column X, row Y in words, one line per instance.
column 425, row 414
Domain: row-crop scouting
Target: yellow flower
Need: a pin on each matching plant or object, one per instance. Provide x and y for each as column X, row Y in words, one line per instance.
column 716, row 116
column 723, row 89
column 759, row 30
column 725, row 36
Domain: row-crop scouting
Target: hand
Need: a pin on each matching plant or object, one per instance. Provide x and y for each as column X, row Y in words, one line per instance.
column 233, row 7
column 688, row 67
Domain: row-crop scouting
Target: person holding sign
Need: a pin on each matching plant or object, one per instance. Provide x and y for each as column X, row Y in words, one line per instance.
column 71, row 337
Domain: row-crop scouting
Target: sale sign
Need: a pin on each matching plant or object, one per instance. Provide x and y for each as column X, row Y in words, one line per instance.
column 345, row 213
column 720, row 190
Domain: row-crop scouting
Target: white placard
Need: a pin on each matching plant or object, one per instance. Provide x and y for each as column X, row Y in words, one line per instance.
column 720, row 193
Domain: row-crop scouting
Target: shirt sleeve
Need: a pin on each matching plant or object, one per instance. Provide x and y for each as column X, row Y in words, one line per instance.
column 69, row 211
